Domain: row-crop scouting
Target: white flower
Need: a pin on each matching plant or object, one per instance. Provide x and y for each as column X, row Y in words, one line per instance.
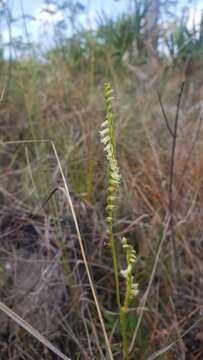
column 124, row 273
column 104, row 132
column 105, row 140
column 105, row 124
column 134, row 290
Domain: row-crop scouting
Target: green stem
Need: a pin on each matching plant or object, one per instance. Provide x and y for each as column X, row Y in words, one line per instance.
column 124, row 310
column 123, row 326
column 115, row 265
column 121, row 310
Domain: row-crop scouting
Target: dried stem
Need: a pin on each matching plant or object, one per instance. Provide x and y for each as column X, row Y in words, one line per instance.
column 173, row 132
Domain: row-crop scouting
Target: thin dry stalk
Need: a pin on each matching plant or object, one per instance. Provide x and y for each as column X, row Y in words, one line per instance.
column 65, row 190
column 173, row 132
column 31, row 330
column 145, row 297
column 67, row 193
column 158, row 353
column 171, row 182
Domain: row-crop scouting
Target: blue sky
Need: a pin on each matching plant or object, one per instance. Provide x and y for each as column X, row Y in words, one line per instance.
column 42, row 27
column 93, row 5
column 110, row 6
column 45, row 20
column 37, row 8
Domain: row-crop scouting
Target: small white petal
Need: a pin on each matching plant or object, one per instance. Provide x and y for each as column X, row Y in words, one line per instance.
column 105, row 140
column 135, row 290
column 124, row 273
column 104, row 132
column 105, row 124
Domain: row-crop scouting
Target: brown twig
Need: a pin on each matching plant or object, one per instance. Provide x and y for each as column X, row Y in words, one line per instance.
column 164, row 114
column 173, row 132
column 171, row 178
column 48, row 197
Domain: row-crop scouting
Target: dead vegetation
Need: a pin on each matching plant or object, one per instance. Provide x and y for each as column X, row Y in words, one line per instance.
column 42, row 273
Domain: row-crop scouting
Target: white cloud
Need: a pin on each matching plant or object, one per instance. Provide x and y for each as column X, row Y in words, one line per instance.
column 5, row 34
column 194, row 17
column 48, row 14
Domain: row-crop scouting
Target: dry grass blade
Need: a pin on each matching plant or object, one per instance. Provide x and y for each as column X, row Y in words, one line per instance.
column 171, row 181
column 164, row 115
column 67, row 193
column 31, row 330
column 168, row 347
column 145, row 297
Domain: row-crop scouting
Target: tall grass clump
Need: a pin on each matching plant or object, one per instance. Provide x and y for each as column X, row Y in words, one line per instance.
column 114, row 178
